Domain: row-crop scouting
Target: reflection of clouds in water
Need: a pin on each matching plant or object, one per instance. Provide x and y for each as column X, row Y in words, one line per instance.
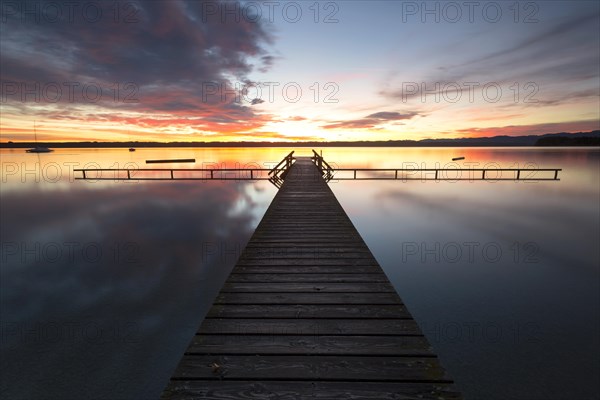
column 507, row 213
column 560, row 217
column 164, row 249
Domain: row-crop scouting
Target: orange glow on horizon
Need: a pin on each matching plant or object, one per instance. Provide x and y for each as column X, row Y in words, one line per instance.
column 56, row 132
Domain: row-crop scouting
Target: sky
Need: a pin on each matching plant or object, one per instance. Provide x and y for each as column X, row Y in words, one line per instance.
column 176, row 70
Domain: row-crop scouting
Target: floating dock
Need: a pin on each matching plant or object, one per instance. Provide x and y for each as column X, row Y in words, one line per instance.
column 308, row 313
column 172, row 160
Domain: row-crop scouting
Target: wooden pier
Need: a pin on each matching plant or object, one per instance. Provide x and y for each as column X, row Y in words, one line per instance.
column 277, row 174
column 307, row 313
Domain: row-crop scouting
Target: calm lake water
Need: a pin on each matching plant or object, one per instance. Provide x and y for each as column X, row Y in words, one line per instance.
column 104, row 283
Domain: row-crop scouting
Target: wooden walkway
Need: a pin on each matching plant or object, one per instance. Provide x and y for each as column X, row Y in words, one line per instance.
column 307, row 313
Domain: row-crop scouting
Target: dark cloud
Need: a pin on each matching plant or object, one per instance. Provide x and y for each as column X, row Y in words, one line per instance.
column 256, row 101
column 547, row 38
column 180, row 59
column 566, row 98
column 372, row 121
column 391, row 116
column 267, row 62
column 533, row 129
column 560, row 57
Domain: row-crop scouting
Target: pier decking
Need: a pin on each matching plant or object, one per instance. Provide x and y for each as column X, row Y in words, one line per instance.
column 307, row 313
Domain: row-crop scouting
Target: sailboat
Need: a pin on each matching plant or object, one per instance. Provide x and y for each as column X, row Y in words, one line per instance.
column 131, row 148
column 38, row 149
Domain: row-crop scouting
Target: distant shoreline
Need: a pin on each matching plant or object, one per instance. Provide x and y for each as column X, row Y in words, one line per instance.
column 552, row 139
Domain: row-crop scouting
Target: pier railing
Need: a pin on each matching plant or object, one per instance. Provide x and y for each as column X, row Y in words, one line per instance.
column 279, row 172
column 176, row 174
column 277, row 175
column 326, row 170
column 448, row 174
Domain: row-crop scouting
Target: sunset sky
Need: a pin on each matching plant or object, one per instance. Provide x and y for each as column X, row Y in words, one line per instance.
column 278, row 70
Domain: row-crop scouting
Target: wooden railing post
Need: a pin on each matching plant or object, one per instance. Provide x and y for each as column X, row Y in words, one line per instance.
column 326, row 170
column 276, row 174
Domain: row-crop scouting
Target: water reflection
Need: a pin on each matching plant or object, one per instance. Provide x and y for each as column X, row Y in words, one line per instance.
column 55, row 171
column 124, row 272
column 103, row 289
column 504, row 278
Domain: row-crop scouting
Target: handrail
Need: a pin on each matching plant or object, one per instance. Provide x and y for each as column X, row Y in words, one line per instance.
column 172, row 169
column 277, row 175
column 280, row 173
column 517, row 177
column 322, row 160
column 449, row 169
column 212, row 173
column 327, row 172
column 287, row 159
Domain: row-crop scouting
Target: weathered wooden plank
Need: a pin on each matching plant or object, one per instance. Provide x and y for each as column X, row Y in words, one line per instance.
column 315, row 233
column 309, row 240
column 307, row 311
column 297, row 238
column 308, row 390
column 267, row 249
column 311, row 247
column 309, row 326
column 323, row 287
column 307, row 298
column 300, row 223
column 271, row 367
column 315, row 256
column 307, row 269
column 306, row 261
column 300, row 252
column 310, row 344
column 300, row 278
column 304, row 228
column 308, row 223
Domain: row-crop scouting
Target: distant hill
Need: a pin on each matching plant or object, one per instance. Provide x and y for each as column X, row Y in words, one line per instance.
column 550, row 139
column 568, row 141
column 529, row 140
